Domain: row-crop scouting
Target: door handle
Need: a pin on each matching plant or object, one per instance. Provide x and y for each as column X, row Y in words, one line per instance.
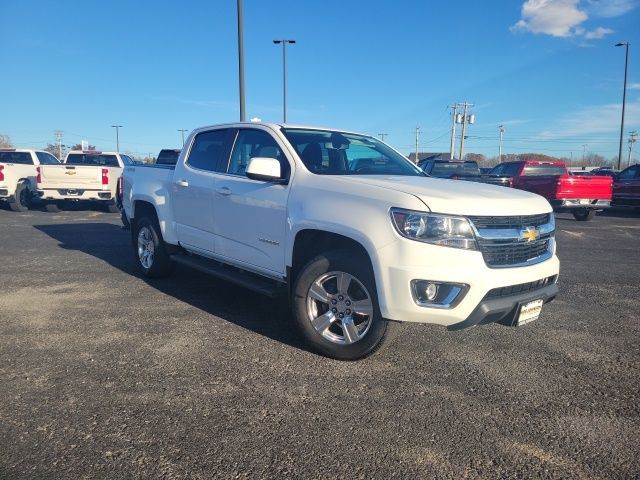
column 182, row 183
column 224, row 191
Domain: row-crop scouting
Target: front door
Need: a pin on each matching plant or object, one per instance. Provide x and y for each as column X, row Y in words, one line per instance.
column 193, row 190
column 250, row 215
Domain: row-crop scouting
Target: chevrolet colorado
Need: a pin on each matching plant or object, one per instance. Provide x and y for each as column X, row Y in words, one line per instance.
column 582, row 195
column 346, row 226
column 19, row 169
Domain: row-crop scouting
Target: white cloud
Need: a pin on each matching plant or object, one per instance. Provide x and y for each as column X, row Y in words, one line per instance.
column 592, row 120
column 633, row 86
column 610, row 8
column 565, row 18
column 598, row 33
column 558, row 18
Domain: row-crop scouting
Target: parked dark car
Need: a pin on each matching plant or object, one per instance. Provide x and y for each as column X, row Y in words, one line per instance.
column 453, row 169
column 168, row 156
column 626, row 187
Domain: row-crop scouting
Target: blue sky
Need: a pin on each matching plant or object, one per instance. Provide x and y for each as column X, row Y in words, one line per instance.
column 546, row 69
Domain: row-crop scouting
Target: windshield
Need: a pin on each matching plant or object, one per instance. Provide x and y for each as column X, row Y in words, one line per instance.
column 450, row 169
column 326, row 152
column 92, row 159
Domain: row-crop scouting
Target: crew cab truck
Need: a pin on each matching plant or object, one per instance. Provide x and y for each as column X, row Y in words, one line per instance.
column 87, row 175
column 582, row 195
column 348, row 228
column 626, row 187
column 18, row 172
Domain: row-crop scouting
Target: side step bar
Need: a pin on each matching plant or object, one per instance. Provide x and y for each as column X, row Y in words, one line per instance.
column 258, row 284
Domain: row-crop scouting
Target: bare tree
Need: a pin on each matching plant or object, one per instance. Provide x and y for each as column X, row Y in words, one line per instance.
column 5, row 141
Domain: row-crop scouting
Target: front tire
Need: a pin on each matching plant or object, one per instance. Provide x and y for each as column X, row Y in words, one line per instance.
column 21, row 200
column 150, row 250
column 112, row 207
column 335, row 306
column 583, row 214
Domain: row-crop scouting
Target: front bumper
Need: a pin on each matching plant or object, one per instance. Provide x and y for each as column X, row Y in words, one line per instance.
column 407, row 260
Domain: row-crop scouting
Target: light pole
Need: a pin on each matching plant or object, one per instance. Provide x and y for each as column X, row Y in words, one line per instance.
column 501, row 128
column 117, row 127
column 243, row 114
column 584, row 150
column 284, row 75
column 382, row 135
column 182, row 130
column 624, row 97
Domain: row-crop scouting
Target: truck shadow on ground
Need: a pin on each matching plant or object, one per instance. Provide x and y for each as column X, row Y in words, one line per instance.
column 110, row 243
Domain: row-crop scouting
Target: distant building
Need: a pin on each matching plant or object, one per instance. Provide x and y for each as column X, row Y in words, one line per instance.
column 429, row 156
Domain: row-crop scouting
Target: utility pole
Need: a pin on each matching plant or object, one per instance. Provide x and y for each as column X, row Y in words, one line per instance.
column 452, row 147
column 417, row 142
column 59, row 134
column 632, row 139
column 501, row 128
column 584, row 150
column 465, row 119
column 243, row 114
column 284, row 75
column 117, row 127
column 624, row 97
column 182, row 130
column 382, row 135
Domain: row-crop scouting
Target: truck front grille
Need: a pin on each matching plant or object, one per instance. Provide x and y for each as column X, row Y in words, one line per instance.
column 503, row 243
column 520, row 288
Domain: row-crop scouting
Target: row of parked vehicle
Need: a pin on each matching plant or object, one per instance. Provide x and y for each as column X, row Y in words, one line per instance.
column 34, row 176
column 582, row 195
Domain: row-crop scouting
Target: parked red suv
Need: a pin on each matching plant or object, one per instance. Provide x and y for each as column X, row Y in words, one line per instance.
column 581, row 195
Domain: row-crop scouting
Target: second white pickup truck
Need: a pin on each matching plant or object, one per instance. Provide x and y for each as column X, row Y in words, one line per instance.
column 85, row 176
column 19, row 170
column 351, row 230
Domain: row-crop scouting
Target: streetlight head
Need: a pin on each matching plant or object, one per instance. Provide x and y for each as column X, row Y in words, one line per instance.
column 292, row 41
column 621, row 44
column 277, row 41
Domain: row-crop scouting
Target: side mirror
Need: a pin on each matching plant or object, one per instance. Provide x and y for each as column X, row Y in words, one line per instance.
column 265, row 169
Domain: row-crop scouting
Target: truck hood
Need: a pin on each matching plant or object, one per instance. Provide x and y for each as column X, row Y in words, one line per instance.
column 458, row 196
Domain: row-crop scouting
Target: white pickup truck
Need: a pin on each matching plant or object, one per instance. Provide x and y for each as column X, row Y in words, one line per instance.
column 351, row 230
column 19, row 169
column 87, row 175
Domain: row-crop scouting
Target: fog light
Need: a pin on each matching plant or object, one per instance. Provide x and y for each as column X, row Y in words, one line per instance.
column 428, row 293
column 431, row 291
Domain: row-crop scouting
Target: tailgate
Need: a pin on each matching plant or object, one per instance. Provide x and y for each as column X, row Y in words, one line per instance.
column 585, row 187
column 70, row 176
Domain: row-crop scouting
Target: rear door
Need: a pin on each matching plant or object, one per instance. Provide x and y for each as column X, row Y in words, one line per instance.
column 627, row 186
column 193, row 187
column 250, row 215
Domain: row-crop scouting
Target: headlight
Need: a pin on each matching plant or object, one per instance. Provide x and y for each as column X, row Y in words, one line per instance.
column 434, row 228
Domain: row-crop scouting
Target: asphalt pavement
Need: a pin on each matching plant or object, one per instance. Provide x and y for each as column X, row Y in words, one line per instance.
column 104, row 374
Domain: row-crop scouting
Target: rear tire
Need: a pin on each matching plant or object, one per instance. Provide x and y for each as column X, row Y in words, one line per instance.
column 583, row 214
column 21, row 200
column 335, row 306
column 52, row 207
column 150, row 250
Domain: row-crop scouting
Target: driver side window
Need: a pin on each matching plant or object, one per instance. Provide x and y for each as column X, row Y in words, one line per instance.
column 628, row 174
column 255, row 143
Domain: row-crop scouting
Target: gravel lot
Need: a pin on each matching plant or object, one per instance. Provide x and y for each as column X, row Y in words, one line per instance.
column 106, row 375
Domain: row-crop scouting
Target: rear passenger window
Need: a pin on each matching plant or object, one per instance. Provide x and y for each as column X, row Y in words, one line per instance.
column 19, row 158
column 209, row 150
column 511, row 169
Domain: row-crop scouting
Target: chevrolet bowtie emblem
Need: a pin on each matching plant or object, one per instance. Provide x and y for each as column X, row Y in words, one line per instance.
column 70, row 172
column 530, row 234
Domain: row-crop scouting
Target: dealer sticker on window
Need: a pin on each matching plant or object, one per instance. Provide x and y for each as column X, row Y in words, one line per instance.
column 529, row 312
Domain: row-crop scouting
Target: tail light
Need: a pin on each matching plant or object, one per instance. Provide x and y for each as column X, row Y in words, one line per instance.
column 38, row 175
column 1, row 172
column 120, row 186
column 455, row 177
column 105, row 176
column 511, row 182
